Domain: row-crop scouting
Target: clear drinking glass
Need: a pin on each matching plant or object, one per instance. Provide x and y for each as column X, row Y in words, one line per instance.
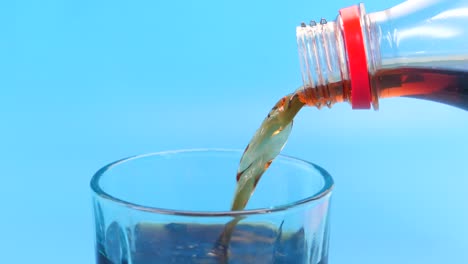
column 173, row 207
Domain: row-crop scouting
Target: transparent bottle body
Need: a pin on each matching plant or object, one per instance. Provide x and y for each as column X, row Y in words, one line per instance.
column 422, row 33
column 417, row 49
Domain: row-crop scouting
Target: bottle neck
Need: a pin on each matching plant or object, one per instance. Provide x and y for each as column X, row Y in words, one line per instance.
column 335, row 60
column 323, row 63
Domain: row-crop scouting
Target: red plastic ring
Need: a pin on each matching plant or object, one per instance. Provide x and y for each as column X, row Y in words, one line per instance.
column 357, row 61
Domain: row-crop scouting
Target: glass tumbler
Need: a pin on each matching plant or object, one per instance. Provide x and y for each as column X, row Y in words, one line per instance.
column 173, row 207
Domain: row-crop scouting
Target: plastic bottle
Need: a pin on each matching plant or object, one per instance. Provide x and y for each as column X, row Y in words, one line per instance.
column 417, row 49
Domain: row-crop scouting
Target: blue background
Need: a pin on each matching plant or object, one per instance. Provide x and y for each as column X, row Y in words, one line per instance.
column 84, row 83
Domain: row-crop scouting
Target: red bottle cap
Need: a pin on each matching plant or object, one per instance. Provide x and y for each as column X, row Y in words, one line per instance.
column 357, row 61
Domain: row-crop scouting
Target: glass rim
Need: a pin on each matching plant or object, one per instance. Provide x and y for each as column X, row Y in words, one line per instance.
column 96, row 188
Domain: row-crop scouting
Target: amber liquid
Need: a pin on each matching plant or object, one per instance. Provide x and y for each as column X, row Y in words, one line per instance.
column 444, row 86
